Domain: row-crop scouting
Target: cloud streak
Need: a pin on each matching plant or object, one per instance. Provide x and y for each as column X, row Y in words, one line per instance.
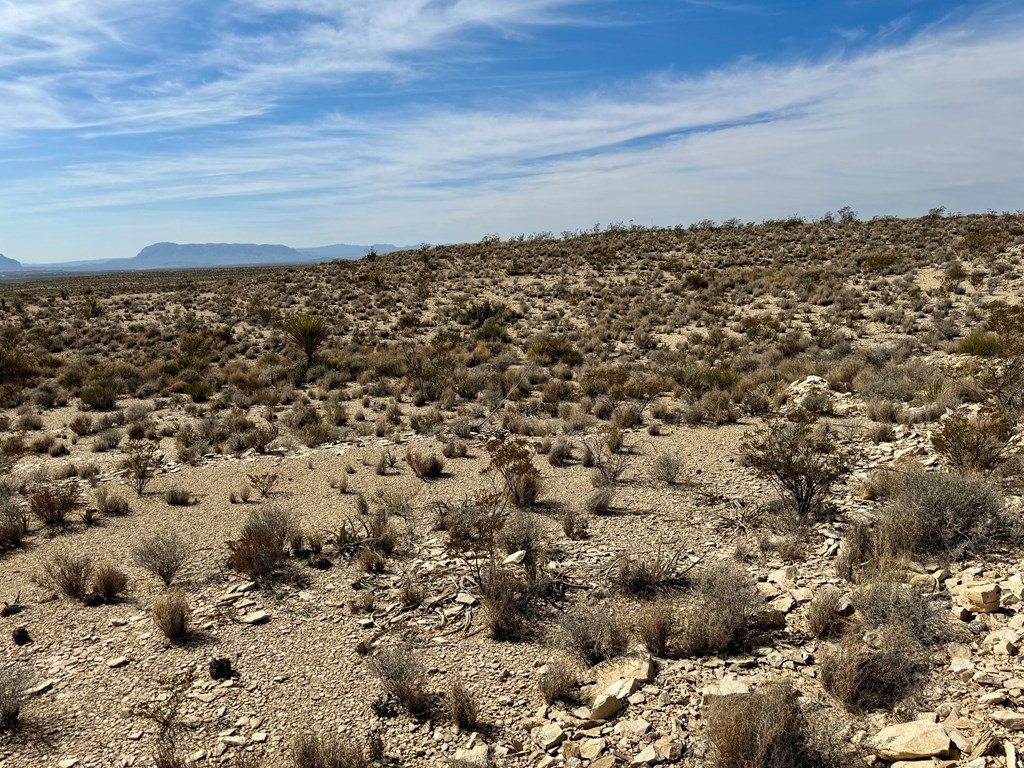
column 893, row 130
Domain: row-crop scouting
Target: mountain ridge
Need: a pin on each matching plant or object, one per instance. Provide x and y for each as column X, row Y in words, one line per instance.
column 168, row 255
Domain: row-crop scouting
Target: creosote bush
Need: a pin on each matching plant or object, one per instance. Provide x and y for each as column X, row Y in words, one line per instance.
column 800, row 459
column 53, row 504
column 162, row 554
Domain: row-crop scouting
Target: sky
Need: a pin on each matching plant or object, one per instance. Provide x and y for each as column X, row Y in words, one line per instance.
column 310, row 122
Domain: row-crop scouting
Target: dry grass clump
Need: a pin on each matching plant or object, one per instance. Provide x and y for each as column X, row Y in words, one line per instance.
column 646, row 576
column 172, row 614
column 259, row 550
column 13, row 522
column 557, row 682
column 108, row 582
column 425, row 466
column 666, row 468
column 865, row 679
column 507, row 602
column 593, row 634
column 657, row 625
column 111, row 503
column 178, row 496
column 767, row 729
column 311, row 750
column 162, row 554
column 403, row 677
column 460, row 705
column 724, row 603
column 883, row 604
column 14, row 680
column 600, row 501
column 824, row 617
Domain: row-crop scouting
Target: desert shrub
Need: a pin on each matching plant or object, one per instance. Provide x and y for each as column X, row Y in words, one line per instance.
column 522, row 533
column 557, row 682
column 858, row 549
column 724, row 603
column 403, row 677
column 511, row 462
column 264, row 482
column 608, row 468
column 574, row 526
column 460, row 705
column 108, row 582
column 865, row 679
column 666, row 468
column 507, row 603
column 593, row 634
column 68, row 573
column 560, row 453
column 824, row 618
column 111, row 503
column 259, row 549
column 142, row 458
column 656, row 626
column 424, row 466
column 767, row 729
column 14, row 679
column 882, row 604
column 454, row 449
column 980, row 345
column 13, row 524
column 944, row 516
column 646, row 576
column 976, row 444
column 177, row 496
column 884, row 411
column 162, row 554
column 800, row 461
column 172, row 614
column 99, row 396
column 52, row 504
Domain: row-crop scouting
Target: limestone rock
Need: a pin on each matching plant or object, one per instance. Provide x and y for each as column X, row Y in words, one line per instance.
column 916, row 739
column 548, row 736
column 256, row 617
column 1010, row 720
column 981, row 598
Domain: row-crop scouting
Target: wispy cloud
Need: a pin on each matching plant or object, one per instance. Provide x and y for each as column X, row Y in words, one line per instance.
column 899, row 128
column 121, row 66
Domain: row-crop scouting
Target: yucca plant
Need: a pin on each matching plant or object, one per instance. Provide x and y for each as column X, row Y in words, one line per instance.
column 307, row 333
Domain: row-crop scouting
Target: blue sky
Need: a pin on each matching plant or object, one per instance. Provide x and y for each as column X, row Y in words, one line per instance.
column 308, row 122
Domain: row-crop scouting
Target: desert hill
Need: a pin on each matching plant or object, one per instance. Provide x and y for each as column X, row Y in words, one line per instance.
column 631, row 497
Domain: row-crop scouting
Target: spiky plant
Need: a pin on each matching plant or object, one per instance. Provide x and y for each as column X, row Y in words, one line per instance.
column 307, row 333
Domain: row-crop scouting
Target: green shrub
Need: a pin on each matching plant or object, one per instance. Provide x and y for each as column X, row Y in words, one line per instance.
column 802, row 462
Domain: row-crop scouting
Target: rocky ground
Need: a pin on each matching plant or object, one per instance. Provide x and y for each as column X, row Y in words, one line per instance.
column 271, row 659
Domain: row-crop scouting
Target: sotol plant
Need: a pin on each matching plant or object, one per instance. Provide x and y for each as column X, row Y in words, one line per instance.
column 307, row 333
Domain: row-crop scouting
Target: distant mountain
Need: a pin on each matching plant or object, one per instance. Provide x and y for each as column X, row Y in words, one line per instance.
column 342, row 251
column 8, row 265
column 206, row 256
